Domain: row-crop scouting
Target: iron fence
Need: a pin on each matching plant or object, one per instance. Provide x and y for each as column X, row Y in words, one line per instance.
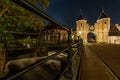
column 42, row 38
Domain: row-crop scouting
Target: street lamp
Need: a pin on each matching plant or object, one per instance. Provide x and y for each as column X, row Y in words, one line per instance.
column 80, row 33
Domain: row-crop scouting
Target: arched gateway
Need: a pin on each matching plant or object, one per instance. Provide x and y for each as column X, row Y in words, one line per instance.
column 99, row 32
column 91, row 37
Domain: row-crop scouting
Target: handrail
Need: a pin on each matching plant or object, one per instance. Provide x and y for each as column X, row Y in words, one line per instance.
column 77, row 73
column 32, row 8
column 39, row 12
column 32, row 66
column 22, row 33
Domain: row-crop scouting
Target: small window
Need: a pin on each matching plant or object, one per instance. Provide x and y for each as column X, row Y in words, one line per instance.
column 105, row 22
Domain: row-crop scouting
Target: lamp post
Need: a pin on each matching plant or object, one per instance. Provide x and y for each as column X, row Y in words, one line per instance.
column 80, row 33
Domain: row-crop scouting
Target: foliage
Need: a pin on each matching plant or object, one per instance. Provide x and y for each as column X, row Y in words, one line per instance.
column 1, row 45
column 32, row 42
column 15, row 18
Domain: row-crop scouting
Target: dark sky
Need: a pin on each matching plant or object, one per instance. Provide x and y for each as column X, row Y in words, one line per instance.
column 67, row 11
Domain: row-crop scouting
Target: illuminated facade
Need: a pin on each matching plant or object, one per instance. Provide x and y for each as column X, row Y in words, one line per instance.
column 101, row 31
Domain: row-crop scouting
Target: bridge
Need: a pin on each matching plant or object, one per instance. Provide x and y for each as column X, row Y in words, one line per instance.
column 76, row 61
column 98, row 62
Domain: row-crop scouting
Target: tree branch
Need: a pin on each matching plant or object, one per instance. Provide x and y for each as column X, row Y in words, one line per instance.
column 4, row 11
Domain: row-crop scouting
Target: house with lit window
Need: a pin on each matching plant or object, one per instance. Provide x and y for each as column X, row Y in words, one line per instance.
column 53, row 33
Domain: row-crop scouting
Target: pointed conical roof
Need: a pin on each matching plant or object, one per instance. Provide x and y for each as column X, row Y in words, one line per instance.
column 81, row 17
column 103, row 15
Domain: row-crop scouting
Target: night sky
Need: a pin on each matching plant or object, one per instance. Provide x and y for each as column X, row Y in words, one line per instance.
column 68, row 11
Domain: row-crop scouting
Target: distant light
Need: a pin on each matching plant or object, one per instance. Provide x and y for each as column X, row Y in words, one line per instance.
column 28, row 45
column 72, row 36
column 80, row 32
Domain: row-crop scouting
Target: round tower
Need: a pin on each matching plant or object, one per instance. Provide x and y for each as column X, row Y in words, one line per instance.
column 81, row 27
column 102, row 27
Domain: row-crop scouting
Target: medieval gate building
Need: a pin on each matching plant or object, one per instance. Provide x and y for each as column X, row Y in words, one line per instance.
column 101, row 31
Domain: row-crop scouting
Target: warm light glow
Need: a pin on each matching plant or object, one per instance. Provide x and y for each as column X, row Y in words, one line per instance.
column 80, row 32
column 72, row 36
column 101, row 33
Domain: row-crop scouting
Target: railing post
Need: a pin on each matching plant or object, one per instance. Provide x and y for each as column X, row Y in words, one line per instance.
column 6, row 50
column 69, row 45
column 81, row 46
column 78, row 45
column 39, row 47
column 69, row 74
column 59, row 43
column 5, row 46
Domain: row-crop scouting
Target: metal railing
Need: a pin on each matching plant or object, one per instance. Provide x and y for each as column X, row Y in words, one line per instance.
column 69, row 74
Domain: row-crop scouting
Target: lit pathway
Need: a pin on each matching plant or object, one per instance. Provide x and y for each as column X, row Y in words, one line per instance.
column 92, row 68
